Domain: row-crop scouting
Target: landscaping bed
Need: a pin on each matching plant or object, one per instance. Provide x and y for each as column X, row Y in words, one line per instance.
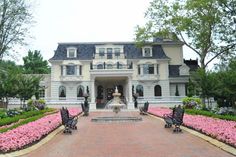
column 31, row 132
column 222, row 130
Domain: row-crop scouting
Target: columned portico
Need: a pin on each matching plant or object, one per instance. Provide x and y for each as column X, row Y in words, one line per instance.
column 103, row 83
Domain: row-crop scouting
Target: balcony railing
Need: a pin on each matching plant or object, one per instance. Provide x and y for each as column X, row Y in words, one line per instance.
column 109, row 56
column 111, row 66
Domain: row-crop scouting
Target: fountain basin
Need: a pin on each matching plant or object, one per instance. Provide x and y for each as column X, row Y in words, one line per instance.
column 116, row 119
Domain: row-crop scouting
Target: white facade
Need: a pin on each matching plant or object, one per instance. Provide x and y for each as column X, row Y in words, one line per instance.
column 155, row 70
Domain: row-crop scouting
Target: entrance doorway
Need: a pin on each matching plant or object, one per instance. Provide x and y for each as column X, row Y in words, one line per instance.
column 105, row 87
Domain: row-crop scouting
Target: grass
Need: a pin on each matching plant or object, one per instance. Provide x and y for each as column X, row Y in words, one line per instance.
column 24, row 115
column 31, row 119
column 210, row 114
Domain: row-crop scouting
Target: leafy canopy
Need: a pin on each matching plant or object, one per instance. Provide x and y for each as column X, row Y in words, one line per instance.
column 207, row 27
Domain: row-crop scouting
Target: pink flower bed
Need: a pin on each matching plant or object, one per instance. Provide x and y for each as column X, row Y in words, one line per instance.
column 31, row 132
column 222, row 130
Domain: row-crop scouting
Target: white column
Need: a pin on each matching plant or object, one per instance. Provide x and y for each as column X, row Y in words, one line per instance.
column 141, row 69
column 130, row 103
column 64, row 70
column 92, row 103
column 155, row 69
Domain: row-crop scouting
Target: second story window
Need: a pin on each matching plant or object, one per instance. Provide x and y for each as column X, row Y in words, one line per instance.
column 71, row 52
column 70, row 70
column 148, row 69
column 101, row 51
column 117, row 51
column 109, row 53
column 147, row 52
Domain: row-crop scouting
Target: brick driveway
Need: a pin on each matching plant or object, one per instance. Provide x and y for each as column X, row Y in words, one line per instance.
column 148, row 138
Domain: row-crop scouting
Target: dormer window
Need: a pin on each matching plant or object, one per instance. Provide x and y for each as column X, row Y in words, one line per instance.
column 71, row 52
column 147, row 51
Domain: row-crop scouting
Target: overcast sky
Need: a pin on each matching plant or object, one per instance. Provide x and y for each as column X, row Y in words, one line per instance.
column 85, row 21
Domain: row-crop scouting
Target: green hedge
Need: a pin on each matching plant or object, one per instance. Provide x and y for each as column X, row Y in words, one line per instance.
column 210, row 114
column 24, row 115
column 31, row 119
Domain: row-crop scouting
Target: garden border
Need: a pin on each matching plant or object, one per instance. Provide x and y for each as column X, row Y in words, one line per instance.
column 37, row 145
column 211, row 140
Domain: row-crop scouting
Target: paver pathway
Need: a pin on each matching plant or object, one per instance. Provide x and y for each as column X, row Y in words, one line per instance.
column 148, row 138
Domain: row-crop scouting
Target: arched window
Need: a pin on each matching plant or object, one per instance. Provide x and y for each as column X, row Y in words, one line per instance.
column 109, row 66
column 80, row 91
column 139, row 90
column 157, row 90
column 99, row 66
column 62, row 92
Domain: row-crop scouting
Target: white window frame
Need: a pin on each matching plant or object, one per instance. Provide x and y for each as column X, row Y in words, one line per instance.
column 75, row 52
column 143, row 51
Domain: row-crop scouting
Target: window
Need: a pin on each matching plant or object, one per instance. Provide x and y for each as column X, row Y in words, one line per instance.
column 80, row 70
column 101, row 52
column 148, row 69
column 139, row 90
column 139, row 69
column 42, row 92
column 117, row 52
column 157, row 69
column 147, row 52
column 109, row 66
column 62, row 92
column 157, row 90
column 61, row 70
column 120, row 66
column 71, row 53
column 80, row 91
column 99, row 66
column 109, row 53
column 70, row 70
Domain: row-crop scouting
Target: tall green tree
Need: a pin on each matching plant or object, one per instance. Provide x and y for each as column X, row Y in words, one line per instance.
column 15, row 19
column 9, row 73
column 28, row 85
column 205, row 26
column 34, row 63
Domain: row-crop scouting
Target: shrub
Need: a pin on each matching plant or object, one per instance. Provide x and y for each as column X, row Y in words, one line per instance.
column 39, row 104
column 191, row 102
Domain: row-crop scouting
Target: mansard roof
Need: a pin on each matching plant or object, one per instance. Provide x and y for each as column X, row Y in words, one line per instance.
column 174, row 69
column 85, row 51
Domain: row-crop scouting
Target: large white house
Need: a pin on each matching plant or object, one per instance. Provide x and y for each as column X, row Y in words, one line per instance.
column 156, row 70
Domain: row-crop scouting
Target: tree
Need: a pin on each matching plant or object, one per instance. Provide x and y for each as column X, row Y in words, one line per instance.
column 34, row 63
column 28, row 85
column 9, row 73
column 15, row 18
column 206, row 27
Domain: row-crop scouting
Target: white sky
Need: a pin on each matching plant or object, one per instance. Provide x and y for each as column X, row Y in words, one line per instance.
column 85, row 21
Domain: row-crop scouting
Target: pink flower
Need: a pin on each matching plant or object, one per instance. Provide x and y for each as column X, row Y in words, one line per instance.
column 31, row 132
column 222, row 130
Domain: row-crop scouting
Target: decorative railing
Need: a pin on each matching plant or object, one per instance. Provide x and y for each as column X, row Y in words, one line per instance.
column 109, row 56
column 111, row 66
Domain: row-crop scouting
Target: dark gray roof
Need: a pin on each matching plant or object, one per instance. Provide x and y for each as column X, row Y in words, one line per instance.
column 174, row 69
column 85, row 51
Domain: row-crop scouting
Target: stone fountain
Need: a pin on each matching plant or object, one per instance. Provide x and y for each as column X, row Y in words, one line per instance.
column 116, row 104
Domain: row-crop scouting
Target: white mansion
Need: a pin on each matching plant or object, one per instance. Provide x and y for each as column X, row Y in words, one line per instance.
column 156, row 70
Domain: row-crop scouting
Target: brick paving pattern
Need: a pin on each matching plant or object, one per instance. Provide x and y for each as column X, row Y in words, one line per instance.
column 147, row 138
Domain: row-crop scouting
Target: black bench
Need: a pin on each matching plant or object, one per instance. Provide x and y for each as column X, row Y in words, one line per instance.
column 143, row 110
column 176, row 118
column 68, row 121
